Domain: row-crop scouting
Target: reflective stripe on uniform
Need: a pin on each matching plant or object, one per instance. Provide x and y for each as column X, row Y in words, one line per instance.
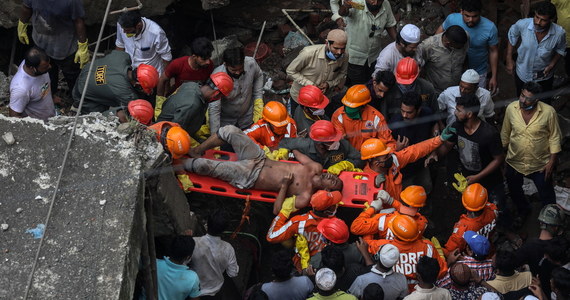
column 381, row 222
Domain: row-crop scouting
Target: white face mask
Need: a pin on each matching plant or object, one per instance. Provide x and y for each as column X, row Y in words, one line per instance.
column 318, row 112
column 334, row 146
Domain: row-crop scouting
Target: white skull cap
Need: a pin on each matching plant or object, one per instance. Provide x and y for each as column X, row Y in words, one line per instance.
column 410, row 33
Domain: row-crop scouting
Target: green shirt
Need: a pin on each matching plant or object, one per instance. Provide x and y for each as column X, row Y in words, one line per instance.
column 109, row 85
column 339, row 295
column 186, row 106
column 307, row 147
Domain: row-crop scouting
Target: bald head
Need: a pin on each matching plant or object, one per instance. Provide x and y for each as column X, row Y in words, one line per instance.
column 337, row 36
column 460, row 274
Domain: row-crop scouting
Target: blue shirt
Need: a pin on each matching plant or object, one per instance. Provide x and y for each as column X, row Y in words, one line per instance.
column 176, row 282
column 481, row 37
column 533, row 56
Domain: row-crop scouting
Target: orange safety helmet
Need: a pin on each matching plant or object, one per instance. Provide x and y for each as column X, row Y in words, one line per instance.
column 223, row 82
column 147, row 76
column 474, row 197
column 324, row 131
column 373, row 147
column 141, row 110
column 311, row 96
column 276, row 114
column 404, row 228
column 322, row 199
column 173, row 138
column 407, row 70
column 334, row 230
column 357, row 95
column 414, row 196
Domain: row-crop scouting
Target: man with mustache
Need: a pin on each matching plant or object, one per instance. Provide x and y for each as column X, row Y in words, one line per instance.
column 406, row 45
column 364, row 27
column 243, row 106
column 542, row 44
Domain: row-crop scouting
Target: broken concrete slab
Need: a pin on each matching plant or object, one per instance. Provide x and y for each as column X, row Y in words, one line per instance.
column 90, row 250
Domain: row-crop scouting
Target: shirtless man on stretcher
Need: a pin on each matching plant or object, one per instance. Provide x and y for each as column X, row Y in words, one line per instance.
column 253, row 170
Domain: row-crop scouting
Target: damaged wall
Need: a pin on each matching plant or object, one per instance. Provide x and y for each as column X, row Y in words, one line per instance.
column 92, row 244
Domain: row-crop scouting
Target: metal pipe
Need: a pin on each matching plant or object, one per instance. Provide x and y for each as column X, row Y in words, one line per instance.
column 124, row 9
column 296, row 26
column 306, row 10
column 259, row 39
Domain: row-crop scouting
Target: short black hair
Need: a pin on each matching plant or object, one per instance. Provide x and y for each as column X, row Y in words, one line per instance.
column 412, row 99
column 182, row 246
column 561, row 281
column 130, row 18
column 545, row 8
column 470, row 102
column 333, row 258
column 471, row 5
column 428, row 268
column 202, row 47
column 532, row 87
column 35, row 56
column 400, row 40
column 282, row 264
column 557, row 250
column 386, row 77
column 373, row 291
column 456, row 35
column 217, row 223
column 234, row 56
column 505, row 262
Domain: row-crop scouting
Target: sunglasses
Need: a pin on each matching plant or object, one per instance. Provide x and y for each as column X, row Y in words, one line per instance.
column 373, row 29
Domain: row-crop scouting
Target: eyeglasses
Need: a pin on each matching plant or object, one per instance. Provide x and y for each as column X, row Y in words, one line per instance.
column 373, row 29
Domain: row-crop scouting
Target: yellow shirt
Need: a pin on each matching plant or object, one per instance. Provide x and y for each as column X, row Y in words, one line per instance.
column 563, row 13
column 530, row 145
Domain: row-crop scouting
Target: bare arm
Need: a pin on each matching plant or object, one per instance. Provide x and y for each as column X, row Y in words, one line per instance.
column 510, row 62
column 119, row 48
column 362, row 247
column 392, row 32
column 439, row 29
column 285, row 183
column 80, row 30
column 494, row 61
column 13, row 113
column 555, row 58
column 302, row 158
column 343, row 10
column 25, row 14
column 163, row 85
column 444, row 148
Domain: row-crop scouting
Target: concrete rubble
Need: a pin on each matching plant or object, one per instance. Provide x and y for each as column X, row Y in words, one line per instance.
column 92, row 242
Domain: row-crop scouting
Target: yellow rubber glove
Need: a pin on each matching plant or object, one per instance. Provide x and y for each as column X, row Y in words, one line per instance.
column 358, row 170
column 437, row 246
column 280, row 154
column 186, row 182
column 340, row 166
column 23, row 32
column 366, row 206
column 461, row 184
column 203, row 133
column 303, row 249
column 194, row 143
column 82, row 54
column 268, row 153
column 257, row 109
column 159, row 100
column 288, row 206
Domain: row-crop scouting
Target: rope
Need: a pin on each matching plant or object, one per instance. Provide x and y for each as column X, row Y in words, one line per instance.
column 61, row 169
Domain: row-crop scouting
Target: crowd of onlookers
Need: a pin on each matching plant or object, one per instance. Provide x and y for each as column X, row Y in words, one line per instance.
column 354, row 105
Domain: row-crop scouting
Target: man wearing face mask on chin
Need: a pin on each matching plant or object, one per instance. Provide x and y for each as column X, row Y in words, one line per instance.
column 243, row 106
column 187, row 105
column 323, row 66
column 326, row 146
column 364, row 27
column 30, row 92
column 531, row 135
column 311, row 108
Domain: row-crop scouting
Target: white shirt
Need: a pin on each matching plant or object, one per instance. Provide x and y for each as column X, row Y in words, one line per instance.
column 210, row 259
column 31, row 95
column 390, row 56
column 148, row 47
column 446, row 102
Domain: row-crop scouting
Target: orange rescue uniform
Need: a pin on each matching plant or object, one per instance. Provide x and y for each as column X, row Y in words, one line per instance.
column 369, row 222
column 410, row 253
column 371, row 125
column 283, row 229
column 410, row 154
column 483, row 225
column 260, row 132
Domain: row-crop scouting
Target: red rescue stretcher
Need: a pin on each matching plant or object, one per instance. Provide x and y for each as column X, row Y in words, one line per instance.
column 354, row 194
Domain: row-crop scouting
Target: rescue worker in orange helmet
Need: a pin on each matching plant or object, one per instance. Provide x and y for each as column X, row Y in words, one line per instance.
column 385, row 163
column 374, row 220
column 359, row 121
column 312, row 103
column 411, row 245
column 274, row 125
column 173, row 138
column 113, row 83
column 480, row 217
column 324, row 205
column 188, row 104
